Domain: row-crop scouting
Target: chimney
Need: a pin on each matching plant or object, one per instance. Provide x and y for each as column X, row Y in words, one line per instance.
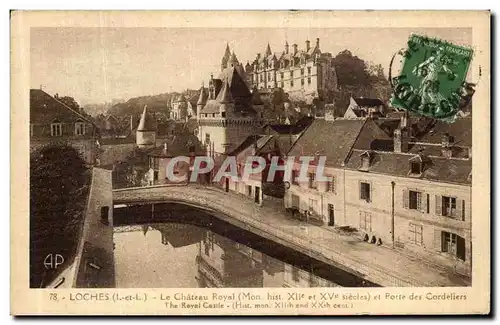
column 400, row 140
column 286, row 47
column 317, row 42
column 446, row 146
column 308, row 45
column 294, row 49
column 404, row 120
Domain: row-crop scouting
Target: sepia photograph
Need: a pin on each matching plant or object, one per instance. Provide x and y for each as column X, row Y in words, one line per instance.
column 296, row 156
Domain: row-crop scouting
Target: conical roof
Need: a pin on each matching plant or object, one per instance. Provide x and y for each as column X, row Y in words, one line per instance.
column 203, row 96
column 233, row 59
column 147, row 122
column 225, row 94
column 268, row 50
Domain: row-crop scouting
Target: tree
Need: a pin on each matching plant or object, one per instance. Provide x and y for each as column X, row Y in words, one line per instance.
column 72, row 103
column 351, row 70
column 58, row 191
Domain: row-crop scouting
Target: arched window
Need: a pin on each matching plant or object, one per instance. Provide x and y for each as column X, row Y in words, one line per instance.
column 80, row 128
column 56, row 128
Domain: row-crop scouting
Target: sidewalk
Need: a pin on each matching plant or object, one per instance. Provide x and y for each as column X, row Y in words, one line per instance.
column 376, row 263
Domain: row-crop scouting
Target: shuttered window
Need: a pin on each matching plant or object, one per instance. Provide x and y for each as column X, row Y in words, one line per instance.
column 449, row 206
column 365, row 221
column 416, row 234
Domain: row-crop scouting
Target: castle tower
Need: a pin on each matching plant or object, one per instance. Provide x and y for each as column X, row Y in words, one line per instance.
column 286, row 47
column 268, row 50
column 233, row 61
column 146, row 131
column 202, row 100
column 226, row 101
column 225, row 58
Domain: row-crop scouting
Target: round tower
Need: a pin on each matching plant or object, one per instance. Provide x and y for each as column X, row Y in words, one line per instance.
column 146, row 131
column 202, row 100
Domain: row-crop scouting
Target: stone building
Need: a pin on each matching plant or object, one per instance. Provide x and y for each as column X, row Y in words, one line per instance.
column 404, row 183
column 305, row 74
column 227, row 115
column 53, row 122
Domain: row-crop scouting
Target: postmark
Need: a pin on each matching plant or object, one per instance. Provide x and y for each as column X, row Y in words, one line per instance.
column 432, row 79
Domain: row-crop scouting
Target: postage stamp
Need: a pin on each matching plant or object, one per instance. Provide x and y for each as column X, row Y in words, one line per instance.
column 178, row 163
column 432, row 80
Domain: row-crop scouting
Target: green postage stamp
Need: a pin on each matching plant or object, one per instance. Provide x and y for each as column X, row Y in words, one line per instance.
column 432, row 79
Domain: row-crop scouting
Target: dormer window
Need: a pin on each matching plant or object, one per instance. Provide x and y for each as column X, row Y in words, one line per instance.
column 415, row 168
column 79, row 128
column 417, row 165
column 365, row 161
column 56, row 129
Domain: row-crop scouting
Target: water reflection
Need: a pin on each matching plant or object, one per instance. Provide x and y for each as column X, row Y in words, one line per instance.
column 173, row 255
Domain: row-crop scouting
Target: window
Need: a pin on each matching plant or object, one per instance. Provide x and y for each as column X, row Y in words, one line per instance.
column 282, row 76
column 415, row 200
column 291, row 74
column 79, row 128
column 449, row 206
column 365, row 221
column 249, row 190
column 365, row 191
column 207, row 137
column 309, row 80
column 331, row 184
column 416, row 234
column 56, row 129
column 291, row 83
column 302, row 81
column 415, row 168
column 223, row 114
column 282, row 84
column 213, row 115
column 313, row 204
column 308, row 70
column 302, row 71
column 294, row 177
column 312, row 183
column 269, row 76
column 453, row 244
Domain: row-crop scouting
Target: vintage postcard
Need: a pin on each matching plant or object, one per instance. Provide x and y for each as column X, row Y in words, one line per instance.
column 250, row 163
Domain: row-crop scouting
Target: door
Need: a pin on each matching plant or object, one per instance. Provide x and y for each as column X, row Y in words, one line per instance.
column 227, row 184
column 331, row 215
column 257, row 194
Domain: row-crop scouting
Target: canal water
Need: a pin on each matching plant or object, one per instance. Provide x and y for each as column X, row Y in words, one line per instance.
column 173, row 255
column 173, row 245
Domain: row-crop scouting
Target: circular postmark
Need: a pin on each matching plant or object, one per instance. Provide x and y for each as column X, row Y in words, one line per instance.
column 432, row 79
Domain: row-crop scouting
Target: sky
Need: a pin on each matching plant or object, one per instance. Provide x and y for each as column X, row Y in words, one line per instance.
column 97, row 65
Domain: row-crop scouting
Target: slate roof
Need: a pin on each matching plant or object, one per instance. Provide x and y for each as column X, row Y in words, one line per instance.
column 178, row 145
column 397, row 164
column 333, row 139
column 286, row 129
column 372, row 137
column 44, row 109
column 460, row 130
column 367, row 102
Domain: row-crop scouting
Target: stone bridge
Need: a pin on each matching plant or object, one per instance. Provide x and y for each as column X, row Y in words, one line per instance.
column 377, row 264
